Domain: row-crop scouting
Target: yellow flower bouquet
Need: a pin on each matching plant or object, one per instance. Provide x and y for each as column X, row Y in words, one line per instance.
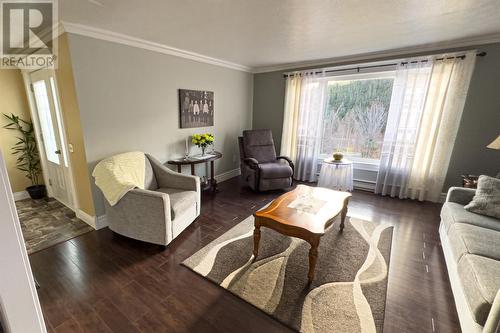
column 203, row 141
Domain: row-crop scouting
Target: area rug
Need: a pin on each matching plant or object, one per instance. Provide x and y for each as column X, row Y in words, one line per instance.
column 349, row 289
column 47, row 222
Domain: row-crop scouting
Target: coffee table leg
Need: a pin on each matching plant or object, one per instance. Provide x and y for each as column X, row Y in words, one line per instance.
column 256, row 240
column 344, row 214
column 313, row 258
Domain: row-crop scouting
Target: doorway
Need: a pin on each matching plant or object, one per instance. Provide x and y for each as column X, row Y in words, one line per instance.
column 49, row 129
column 52, row 220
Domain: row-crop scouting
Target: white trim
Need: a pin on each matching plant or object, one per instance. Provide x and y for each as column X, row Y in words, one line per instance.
column 90, row 220
column 119, row 38
column 62, row 124
column 227, row 175
column 97, row 223
column 101, row 222
column 19, row 304
column 468, row 42
column 107, row 35
column 58, row 29
column 38, row 131
column 21, row 195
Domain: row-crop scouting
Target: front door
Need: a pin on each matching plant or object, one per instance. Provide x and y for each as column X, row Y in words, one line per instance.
column 52, row 148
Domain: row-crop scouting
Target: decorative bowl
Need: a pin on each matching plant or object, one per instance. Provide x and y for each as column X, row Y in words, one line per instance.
column 338, row 156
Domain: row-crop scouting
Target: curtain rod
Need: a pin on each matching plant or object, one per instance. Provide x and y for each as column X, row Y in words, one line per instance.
column 479, row 54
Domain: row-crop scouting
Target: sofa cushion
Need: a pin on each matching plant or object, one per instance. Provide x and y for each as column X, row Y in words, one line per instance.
column 480, row 282
column 471, row 239
column 180, row 200
column 486, row 201
column 452, row 213
column 275, row 170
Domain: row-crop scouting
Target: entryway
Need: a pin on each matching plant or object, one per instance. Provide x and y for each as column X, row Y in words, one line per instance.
column 47, row 222
column 52, row 220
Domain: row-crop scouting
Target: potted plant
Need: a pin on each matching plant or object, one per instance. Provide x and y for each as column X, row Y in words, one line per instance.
column 203, row 141
column 28, row 159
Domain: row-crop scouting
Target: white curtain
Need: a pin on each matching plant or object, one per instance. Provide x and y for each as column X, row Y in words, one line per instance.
column 291, row 116
column 302, row 124
column 424, row 115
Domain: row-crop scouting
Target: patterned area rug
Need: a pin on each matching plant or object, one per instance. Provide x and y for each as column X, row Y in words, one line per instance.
column 350, row 285
column 47, row 222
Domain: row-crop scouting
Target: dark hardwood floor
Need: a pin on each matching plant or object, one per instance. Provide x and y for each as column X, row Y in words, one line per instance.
column 102, row 282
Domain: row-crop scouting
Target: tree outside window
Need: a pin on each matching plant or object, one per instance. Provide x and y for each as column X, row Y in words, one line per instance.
column 356, row 116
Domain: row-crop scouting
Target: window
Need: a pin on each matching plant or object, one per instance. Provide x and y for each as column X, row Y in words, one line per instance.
column 43, row 108
column 355, row 115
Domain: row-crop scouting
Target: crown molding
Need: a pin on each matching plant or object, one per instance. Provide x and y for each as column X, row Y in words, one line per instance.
column 102, row 34
column 58, row 29
column 84, row 30
column 426, row 48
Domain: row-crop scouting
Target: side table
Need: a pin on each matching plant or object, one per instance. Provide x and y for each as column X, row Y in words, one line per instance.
column 336, row 175
column 211, row 183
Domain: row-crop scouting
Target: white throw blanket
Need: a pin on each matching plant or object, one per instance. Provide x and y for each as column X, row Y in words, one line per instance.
column 116, row 175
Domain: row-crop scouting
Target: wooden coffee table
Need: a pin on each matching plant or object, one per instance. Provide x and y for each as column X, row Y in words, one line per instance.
column 306, row 213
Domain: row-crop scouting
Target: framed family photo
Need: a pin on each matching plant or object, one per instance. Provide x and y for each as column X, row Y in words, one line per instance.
column 196, row 108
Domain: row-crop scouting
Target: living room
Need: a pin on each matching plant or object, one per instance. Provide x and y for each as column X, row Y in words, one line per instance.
column 252, row 166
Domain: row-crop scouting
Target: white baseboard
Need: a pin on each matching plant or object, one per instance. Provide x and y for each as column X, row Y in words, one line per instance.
column 89, row 219
column 21, row 195
column 95, row 222
column 227, row 175
column 101, row 222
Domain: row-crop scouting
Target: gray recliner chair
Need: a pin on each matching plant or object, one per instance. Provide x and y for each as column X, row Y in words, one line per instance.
column 169, row 203
column 261, row 169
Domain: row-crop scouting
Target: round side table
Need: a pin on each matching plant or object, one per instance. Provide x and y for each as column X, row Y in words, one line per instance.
column 336, row 175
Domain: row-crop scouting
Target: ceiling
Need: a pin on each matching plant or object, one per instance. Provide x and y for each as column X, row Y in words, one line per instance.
column 260, row 34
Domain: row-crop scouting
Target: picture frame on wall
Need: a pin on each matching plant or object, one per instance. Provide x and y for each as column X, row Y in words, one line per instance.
column 196, row 108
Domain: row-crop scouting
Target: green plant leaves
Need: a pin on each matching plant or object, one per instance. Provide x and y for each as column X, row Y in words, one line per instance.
column 28, row 159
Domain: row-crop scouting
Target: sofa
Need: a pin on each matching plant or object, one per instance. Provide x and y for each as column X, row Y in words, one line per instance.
column 471, row 246
column 260, row 168
column 157, row 214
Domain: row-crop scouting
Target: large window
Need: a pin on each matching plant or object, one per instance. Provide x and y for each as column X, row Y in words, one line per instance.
column 356, row 115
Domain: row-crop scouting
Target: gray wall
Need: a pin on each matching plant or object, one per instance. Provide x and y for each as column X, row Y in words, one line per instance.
column 269, row 103
column 128, row 99
column 480, row 122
